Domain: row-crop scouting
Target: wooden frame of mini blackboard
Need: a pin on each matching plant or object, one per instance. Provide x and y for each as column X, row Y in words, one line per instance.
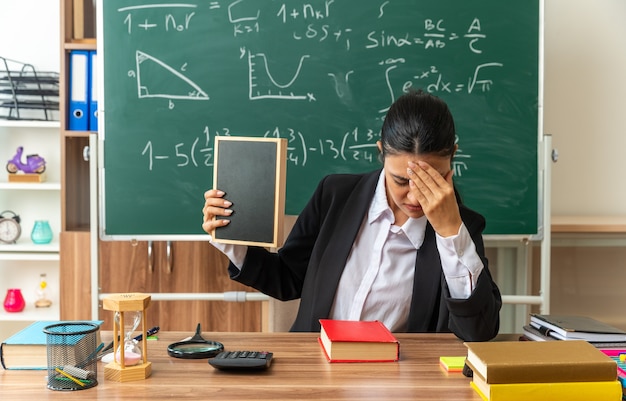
column 252, row 173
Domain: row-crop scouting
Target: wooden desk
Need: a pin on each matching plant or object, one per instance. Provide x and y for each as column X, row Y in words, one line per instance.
column 299, row 372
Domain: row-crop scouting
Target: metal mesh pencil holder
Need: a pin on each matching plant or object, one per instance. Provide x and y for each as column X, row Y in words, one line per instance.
column 72, row 355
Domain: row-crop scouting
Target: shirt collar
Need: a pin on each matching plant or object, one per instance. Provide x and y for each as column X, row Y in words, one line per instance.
column 379, row 206
column 414, row 229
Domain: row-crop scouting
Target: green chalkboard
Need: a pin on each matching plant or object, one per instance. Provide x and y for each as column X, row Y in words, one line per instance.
column 321, row 74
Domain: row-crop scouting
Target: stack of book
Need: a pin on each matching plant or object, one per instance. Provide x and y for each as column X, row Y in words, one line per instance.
column 607, row 338
column 542, row 371
column 568, row 327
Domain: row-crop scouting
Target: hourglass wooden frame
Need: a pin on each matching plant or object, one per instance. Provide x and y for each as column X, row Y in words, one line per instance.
column 122, row 303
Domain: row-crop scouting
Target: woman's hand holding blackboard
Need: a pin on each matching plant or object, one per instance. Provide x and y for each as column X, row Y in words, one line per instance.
column 215, row 205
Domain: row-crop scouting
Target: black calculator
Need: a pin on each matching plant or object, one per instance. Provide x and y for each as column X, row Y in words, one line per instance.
column 242, row 360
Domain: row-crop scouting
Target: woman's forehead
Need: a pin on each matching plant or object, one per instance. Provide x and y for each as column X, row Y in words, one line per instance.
column 398, row 163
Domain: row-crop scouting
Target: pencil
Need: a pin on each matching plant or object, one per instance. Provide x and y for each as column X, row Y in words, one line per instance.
column 75, row 380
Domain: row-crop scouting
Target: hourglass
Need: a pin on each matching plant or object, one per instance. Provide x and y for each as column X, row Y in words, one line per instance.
column 128, row 363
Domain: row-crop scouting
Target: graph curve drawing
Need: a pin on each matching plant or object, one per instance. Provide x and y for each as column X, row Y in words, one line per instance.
column 260, row 77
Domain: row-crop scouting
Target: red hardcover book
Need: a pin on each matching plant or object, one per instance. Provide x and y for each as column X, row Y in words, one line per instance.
column 358, row 341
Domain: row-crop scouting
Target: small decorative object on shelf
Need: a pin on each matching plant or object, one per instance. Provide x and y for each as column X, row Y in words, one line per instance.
column 10, row 229
column 42, row 233
column 30, row 171
column 130, row 362
column 42, row 301
column 14, row 301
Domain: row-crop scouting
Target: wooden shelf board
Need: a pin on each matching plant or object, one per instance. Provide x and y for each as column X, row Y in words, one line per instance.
column 31, row 313
column 81, row 44
column 589, row 224
column 76, row 134
column 32, row 186
column 29, row 124
column 24, row 249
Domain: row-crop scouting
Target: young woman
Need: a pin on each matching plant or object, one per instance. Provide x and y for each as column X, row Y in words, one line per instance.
column 395, row 244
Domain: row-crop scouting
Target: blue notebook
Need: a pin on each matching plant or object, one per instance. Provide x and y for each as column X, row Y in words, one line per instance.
column 26, row 349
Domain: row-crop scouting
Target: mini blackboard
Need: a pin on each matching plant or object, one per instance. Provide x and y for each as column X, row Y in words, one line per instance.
column 252, row 174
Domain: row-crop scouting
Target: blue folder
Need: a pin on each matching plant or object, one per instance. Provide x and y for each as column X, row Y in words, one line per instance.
column 78, row 119
column 93, row 91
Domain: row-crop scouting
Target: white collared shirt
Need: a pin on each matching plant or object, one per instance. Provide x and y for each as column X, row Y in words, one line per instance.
column 377, row 282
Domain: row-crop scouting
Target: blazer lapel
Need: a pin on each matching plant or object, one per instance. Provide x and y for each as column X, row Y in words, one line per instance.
column 336, row 254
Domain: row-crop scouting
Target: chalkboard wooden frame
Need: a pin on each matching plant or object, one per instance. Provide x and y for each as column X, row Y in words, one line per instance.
column 252, row 172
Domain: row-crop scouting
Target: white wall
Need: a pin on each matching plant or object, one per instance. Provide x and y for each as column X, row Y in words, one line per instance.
column 585, row 111
column 585, row 104
column 30, row 33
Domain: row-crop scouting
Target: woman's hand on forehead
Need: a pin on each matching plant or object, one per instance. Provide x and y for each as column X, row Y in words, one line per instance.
column 435, row 194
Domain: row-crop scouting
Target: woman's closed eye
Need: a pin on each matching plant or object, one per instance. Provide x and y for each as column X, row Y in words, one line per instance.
column 401, row 182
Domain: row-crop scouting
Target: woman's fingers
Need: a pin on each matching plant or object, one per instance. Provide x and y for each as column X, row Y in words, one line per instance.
column 435, row 194
column 215, row 205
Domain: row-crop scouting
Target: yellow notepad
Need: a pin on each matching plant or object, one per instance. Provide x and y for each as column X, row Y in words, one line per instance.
column 452, row 363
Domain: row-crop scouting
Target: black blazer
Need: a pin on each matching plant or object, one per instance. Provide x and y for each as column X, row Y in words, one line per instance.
column 311, row 262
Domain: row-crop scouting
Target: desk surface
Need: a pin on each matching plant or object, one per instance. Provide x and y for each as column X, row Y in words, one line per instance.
column 299, row 372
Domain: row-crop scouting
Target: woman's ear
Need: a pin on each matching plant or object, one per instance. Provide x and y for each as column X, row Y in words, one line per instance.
column 379, row 145
column 456, row 147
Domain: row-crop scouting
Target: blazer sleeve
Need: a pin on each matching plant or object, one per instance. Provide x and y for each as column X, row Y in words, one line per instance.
column 281, row 275
column 478, row 317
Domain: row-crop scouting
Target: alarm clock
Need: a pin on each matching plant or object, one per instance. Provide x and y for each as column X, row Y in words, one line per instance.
column 10, row 229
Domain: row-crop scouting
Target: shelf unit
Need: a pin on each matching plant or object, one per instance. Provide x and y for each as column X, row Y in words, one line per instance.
column 77, row 33
column 23, row 262
column 30, row 34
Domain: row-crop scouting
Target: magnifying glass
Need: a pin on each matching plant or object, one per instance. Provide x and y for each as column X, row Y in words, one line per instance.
column 195, row 348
